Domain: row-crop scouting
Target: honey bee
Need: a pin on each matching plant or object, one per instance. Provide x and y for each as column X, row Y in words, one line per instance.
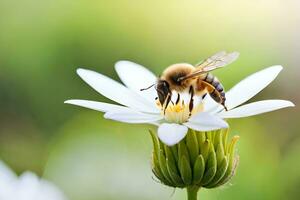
column 194, row 79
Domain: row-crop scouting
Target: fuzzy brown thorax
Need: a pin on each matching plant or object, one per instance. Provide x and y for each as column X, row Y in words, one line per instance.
column 174, row 72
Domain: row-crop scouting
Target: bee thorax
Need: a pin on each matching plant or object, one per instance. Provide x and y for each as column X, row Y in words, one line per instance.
column 173, row 74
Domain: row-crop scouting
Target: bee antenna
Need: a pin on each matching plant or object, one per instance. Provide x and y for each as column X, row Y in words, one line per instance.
column 147, row 87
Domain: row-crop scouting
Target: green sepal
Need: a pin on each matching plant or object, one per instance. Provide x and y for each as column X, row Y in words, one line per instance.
column 174, row 175
column 201, row 159
column 155, row 143
column 217, row 138
column 183, row 151
column 175, row 152
column 233, row 162
column 185, row 170
column 171, row 167
column 225, row 139
column 232, row 145
column 205, row 149
column 198, row 170
column 163, row 166
column 157, row 172
column 209, row 135
column 220, row 152
column 211, row 166
column 192, row 145
column 222, row 167
column 155, row 162
column 230, row 172
column 201, row 139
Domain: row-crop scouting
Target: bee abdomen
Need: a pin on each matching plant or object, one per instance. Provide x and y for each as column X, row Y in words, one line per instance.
column 216, row 96
column 211, row 79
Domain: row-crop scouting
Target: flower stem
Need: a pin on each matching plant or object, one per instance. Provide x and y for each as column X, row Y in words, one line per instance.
column 192, row 192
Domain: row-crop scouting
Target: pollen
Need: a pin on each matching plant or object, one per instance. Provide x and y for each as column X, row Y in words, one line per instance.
column 178, row 108
column 182, row 110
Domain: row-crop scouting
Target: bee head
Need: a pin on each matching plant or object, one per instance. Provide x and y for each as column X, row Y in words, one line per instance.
column 163, row 89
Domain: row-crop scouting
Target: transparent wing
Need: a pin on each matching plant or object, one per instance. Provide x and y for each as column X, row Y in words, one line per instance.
column 216, row 61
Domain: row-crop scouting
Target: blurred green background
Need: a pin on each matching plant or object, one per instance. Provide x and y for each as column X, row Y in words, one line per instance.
column 89, row 158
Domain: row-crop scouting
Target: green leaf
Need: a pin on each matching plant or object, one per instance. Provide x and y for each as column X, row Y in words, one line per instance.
column 198, row 171
column 185, row 170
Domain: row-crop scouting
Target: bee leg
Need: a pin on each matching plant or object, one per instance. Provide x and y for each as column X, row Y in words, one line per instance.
column 223, row 104
column 203, row 96
column 178, row 99
column 168, row 99
column 223, row 99
column 191, row 104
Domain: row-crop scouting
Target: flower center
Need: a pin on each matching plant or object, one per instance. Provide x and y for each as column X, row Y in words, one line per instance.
column 181, row 108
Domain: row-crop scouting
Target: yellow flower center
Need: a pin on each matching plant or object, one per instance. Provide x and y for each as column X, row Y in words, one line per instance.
column 181, row 111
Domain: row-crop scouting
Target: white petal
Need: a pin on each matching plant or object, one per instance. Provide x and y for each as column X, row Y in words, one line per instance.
column 28, row 186
column 7, row 180
column 250, row 86
column 132, row 116
column 171, row 134
column 52, row 191
column 95, row 105
column 137, row 77
column 205, row 122
column 256, row 108
column 210, row 105
column 31, row 187
column 116, row 91
column 6, row 173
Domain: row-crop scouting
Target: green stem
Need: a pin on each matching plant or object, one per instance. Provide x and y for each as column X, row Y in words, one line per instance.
column 192, row 192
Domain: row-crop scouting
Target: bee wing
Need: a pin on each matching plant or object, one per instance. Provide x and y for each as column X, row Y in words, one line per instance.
column 216, row 61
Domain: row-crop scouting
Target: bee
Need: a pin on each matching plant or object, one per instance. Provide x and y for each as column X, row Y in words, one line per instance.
column 197, row 80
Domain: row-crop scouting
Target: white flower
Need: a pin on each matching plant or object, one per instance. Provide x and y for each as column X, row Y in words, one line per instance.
column 137, row 106
column 26, row 187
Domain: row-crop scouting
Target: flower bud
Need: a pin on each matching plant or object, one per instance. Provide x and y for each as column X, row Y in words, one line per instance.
column 201, row 159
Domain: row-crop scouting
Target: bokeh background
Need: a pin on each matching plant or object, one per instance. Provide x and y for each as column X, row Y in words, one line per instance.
column 89, row 158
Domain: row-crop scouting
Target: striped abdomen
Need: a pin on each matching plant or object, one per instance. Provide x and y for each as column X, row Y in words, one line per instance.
column 217, row 91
